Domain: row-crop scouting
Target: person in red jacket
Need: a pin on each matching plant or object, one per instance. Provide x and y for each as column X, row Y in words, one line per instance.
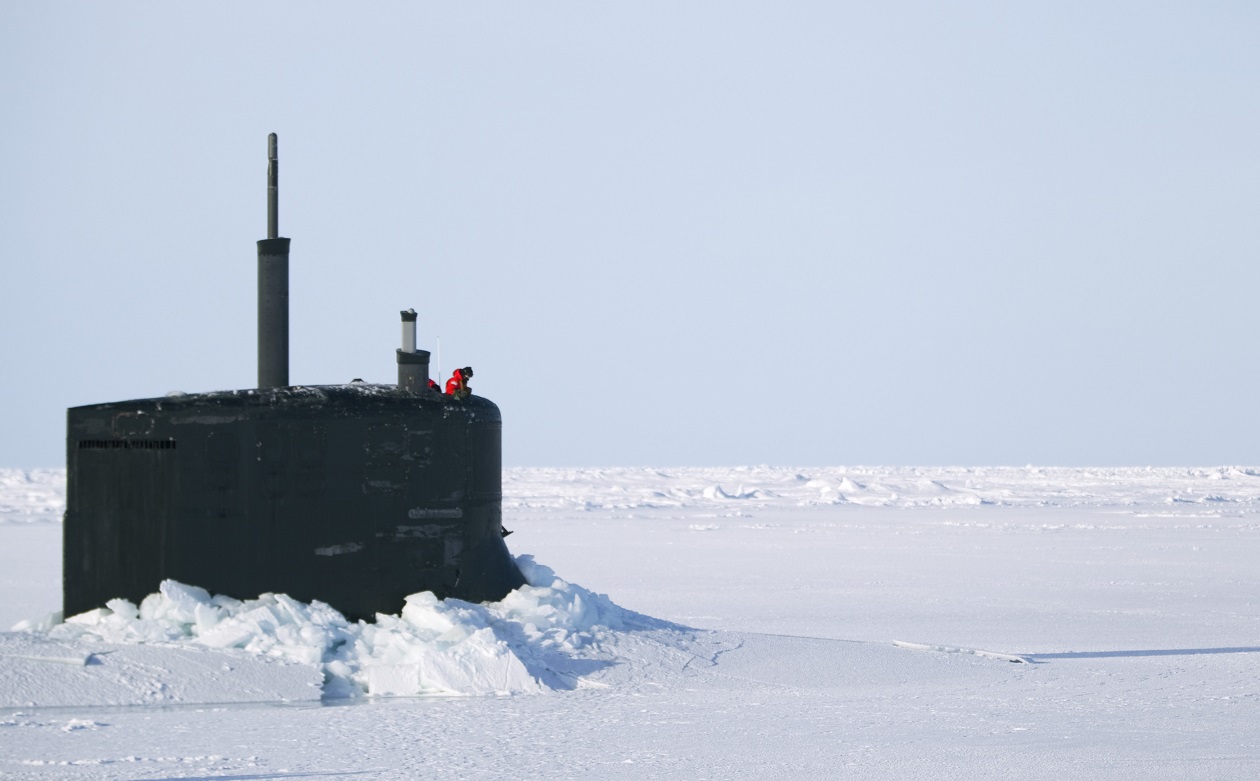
column 457, row 385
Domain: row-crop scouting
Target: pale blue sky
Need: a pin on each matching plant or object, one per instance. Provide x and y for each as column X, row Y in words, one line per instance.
column 662, row 233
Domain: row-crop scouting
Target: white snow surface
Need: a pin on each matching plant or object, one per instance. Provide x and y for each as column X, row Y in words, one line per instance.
column 1030, row 486
column 804, row 623
column 28, row 495
column 525, row 644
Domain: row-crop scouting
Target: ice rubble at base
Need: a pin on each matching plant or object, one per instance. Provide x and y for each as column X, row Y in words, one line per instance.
column 433, row 647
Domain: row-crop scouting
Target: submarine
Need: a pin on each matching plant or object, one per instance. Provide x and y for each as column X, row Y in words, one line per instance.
column 356, row 494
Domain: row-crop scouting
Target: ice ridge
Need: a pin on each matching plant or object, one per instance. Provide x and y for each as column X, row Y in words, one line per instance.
column 529, row 642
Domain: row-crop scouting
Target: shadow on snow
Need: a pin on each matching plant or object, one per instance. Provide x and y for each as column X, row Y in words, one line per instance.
column 1150, row 652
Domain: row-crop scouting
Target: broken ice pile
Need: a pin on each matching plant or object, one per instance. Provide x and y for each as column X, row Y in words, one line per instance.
column 433, row 646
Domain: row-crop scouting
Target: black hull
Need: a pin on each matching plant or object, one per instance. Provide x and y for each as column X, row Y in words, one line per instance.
column 354, row 495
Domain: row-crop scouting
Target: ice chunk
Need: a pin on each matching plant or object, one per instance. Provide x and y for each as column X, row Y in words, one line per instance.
column 433, row 646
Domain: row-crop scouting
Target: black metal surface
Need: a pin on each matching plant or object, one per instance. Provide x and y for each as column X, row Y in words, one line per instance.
column 413, row 370
column 413, row 364
column 356, row 495
column 273, row 313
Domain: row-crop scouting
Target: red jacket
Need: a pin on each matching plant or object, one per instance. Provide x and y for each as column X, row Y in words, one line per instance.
column 456, row 386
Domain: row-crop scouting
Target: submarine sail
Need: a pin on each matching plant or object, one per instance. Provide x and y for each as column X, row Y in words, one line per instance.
column 356, row 494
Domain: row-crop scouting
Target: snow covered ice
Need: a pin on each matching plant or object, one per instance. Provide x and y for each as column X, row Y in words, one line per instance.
column 730, row 623
column 528, row 643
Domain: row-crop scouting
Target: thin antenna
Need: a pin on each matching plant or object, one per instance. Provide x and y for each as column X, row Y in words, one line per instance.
column 273, row 188
column 441, row 377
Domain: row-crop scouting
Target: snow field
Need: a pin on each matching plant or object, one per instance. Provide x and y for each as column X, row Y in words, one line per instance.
column 1153, row 488
column 32, row 495
column 1129, row 594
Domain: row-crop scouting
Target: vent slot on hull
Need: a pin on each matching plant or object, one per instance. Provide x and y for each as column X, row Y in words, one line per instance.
column 126, row 444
